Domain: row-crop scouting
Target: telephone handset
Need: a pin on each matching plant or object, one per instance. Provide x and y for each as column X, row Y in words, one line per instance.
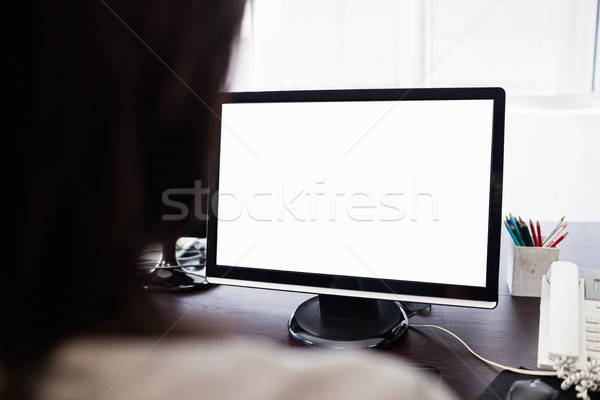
column 569, row 316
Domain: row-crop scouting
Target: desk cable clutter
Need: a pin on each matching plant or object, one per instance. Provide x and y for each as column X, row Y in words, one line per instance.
column 584, row 381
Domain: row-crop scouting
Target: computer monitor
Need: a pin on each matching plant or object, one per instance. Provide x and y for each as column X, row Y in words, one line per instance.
column 367, row 198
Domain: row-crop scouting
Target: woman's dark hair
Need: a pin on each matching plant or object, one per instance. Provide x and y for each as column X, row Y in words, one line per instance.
column 112, row 104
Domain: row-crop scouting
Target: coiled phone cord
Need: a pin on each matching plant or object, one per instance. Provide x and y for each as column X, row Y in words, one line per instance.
column 588, row 379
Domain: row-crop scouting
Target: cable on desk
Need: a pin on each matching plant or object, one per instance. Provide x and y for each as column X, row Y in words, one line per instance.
column 517, row 370
column 586, row 380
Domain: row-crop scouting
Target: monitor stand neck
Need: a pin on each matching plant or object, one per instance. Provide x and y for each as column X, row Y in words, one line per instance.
column 348, row 322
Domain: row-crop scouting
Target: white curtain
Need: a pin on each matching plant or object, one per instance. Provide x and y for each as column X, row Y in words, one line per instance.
column 534, row 47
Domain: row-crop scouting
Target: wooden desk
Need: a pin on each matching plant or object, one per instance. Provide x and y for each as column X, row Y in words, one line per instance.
column 507, row 334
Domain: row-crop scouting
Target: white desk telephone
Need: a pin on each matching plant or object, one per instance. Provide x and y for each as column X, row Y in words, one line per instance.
column 569, row 316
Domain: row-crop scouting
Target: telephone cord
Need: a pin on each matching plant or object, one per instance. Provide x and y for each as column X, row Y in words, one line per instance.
column 585, row 380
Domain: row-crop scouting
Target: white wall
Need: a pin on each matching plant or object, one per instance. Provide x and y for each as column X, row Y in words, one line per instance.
column 552, row 162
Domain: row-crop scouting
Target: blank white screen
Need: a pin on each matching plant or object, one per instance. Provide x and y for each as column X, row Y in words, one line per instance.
column 380, row 189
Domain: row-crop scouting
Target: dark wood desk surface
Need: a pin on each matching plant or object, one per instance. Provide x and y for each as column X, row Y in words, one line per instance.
column 507, row 334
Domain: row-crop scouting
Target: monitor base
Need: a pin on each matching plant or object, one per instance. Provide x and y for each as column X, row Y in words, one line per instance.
column 346, row 322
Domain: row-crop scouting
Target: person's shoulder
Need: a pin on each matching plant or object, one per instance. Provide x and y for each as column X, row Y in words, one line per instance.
column 117, row 368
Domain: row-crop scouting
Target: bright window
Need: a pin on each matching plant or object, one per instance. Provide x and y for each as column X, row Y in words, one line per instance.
column 534, row 47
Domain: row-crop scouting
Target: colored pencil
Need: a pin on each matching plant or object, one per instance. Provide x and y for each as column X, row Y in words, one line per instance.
column 512, row 235
column 558, row 224
column 518, row 236
column 525, row 234
column 535, row 239
column 530, row 234
column 556, row 234
column 512, row 222
column 515, row 231
column 557, row 241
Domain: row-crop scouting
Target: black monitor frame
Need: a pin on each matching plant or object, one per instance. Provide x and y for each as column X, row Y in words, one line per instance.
column 432, row 293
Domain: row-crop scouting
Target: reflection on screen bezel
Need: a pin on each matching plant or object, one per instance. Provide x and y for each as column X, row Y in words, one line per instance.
column 435, row 293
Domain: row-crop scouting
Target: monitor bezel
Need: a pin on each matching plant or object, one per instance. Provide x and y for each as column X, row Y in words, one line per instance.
column 433, row 293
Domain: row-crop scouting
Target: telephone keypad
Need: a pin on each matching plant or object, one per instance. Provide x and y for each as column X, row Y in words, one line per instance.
column 590, row 319
column 591, row 316
column 593, row 338
column 593, row 347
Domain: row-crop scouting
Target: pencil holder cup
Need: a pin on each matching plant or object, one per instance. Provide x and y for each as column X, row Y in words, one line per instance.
column 526, row 266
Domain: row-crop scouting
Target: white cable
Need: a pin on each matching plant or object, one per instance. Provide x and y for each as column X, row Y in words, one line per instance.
column 517, row 370
column 585, row 380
